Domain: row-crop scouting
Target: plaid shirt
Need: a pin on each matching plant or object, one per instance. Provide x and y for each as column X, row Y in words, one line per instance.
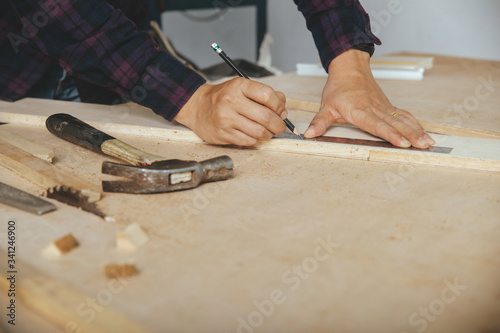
column 102, row 45
column 336, row 26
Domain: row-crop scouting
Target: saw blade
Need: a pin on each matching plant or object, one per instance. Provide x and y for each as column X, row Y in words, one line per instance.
column 364, row 142
column 74, row 198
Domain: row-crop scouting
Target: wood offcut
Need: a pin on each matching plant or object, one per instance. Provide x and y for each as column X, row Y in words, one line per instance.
column 60, row 247
column 116, row 271
column 131, row 238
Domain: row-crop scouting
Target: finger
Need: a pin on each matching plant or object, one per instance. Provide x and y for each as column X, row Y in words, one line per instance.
column 282, row 96
column 408, row 127
column 410, row 118
column 320, row 123
column 264, row 95
column 237, row 137
column 403, row 126
column 399, row 115
column 263, row 117
column 231, row 136
column 373, row 124
column 253, row 129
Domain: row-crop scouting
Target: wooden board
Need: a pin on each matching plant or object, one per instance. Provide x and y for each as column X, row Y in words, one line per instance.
column 404, row 239
column 468, row 153
column 215, row 251
column 47, row 176
column 33, row 148
column 56, row 301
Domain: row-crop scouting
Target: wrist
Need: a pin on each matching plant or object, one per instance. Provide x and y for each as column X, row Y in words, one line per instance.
column 350, row 61
column 365, row 47
column 187, row 114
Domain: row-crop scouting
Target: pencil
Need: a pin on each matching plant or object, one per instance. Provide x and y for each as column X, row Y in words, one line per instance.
column 240, row 73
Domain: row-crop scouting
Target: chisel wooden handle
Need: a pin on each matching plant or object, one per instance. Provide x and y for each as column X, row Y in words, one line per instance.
column 76, row 131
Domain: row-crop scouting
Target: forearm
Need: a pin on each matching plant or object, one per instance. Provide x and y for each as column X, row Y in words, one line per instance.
column 98, row 44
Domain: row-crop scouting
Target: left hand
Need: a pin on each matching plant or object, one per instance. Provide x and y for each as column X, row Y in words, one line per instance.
column 351, row 95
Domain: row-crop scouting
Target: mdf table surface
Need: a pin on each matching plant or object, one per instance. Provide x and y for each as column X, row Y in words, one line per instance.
column 293, row 243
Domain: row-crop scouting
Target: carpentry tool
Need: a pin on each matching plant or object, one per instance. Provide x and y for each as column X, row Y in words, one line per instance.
column 58, row 184
column 363, row 142
column 240, row 73
column 16, row 198
column 150, row 173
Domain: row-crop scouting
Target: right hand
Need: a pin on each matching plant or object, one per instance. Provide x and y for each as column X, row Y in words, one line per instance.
column 239, row 112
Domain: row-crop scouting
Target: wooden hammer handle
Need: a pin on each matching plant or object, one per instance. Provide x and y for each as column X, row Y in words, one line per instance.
column 82, row 134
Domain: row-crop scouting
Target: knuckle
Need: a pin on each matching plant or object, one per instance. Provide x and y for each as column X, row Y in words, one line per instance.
column 357, row 113
column 281, row 96
column 267, row 117
column 379, row 128
column 228, row 99
column 237, row 81
column 266, row 93
column 354, row 116
column 221, row 117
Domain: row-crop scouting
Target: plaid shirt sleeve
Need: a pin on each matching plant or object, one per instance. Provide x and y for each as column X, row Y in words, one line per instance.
column 96, row 43
column 336, row 25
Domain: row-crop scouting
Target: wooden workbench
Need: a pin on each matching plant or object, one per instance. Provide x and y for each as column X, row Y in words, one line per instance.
column 293, row 243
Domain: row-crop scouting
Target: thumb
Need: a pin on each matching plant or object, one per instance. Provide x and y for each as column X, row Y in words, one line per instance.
column 320, row 123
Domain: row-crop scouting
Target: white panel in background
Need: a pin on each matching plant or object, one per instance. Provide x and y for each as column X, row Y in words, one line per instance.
column 234, row 30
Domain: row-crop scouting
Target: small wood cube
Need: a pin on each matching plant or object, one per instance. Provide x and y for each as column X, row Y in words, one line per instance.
column 60, row 247
column 131, row 238
column 115, row 271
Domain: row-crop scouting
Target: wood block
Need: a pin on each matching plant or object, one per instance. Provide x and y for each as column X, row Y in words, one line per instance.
column 115, row 271
column 131, row 238
column 60, row 247
column 33, row 148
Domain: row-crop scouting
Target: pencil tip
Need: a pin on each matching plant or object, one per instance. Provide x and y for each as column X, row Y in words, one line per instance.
column 297, row 133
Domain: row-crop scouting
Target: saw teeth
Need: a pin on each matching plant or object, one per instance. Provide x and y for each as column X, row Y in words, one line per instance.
column 75, row 198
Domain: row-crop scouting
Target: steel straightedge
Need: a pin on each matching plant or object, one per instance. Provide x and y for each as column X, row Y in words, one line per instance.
column 363, row 142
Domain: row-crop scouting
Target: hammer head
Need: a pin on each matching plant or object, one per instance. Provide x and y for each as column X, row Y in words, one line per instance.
column 166, row 176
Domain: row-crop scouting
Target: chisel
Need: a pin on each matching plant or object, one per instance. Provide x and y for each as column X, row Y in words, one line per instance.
column 16, row 198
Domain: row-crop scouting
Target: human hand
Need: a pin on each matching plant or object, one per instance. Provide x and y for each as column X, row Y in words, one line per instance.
column 239, row 112
column 351, row 95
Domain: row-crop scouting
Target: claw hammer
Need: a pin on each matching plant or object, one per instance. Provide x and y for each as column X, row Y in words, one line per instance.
column 148, row 173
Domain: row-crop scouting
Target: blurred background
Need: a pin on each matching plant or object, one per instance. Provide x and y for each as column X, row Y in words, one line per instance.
column 462, row 28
